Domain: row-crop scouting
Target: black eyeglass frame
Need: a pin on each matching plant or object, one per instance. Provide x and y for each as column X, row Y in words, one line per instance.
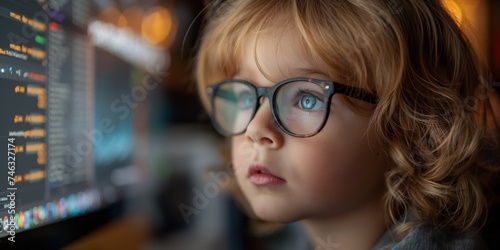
column 329, row 89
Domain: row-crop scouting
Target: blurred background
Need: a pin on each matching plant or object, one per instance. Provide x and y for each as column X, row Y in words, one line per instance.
column 110, row 84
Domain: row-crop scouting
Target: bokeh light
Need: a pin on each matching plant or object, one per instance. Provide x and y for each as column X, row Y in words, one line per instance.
column 156, row 26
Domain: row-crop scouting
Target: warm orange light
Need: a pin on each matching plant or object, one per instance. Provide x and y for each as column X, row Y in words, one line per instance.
column 472, row 4
column 454, row 10
column 157, row 25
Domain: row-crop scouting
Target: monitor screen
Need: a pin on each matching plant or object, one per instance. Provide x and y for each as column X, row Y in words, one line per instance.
column 65, row 134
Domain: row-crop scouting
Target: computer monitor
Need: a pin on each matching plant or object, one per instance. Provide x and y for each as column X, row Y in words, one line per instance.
column 65, row 134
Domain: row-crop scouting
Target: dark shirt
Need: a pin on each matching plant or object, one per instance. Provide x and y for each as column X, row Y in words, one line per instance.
column 428, row 238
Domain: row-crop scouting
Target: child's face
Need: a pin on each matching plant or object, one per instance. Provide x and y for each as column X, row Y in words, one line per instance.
column 334, row 171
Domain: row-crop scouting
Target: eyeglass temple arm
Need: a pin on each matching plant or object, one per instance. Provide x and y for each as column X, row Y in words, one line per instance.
column 356, row 93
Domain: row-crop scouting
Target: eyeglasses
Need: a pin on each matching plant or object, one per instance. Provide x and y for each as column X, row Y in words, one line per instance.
column 300, row 106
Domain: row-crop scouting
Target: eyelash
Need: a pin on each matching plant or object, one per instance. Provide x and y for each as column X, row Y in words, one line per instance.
column 303, row 91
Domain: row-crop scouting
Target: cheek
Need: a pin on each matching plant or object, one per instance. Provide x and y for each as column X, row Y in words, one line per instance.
column 340, row 165
column 337, row 180
column 328, row 170
column 241, row 154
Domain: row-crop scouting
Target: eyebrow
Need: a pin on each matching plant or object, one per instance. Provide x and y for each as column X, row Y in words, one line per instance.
column 299, row 72
column 309, row 72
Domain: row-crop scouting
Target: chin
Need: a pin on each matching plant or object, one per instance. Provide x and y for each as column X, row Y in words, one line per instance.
column 272, row 212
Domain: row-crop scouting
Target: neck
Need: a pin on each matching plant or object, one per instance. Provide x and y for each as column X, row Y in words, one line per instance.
column 357, row 229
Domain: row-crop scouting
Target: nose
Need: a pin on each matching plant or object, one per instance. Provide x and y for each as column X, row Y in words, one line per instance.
column 263, row 130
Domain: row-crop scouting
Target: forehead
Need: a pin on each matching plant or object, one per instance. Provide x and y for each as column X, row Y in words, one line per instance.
column 275, row 54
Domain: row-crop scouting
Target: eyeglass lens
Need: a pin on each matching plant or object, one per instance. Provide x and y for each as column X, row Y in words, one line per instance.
column 300, row 107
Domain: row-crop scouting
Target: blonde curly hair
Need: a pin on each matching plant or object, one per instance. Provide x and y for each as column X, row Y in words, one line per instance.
column 434, row 113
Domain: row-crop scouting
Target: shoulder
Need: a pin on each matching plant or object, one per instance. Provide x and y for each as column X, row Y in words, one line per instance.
column 427, row 237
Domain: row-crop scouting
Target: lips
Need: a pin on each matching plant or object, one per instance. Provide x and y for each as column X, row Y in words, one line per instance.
column 262, row 176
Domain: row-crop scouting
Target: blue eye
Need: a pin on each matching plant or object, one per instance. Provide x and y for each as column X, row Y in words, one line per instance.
column 309, row 102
